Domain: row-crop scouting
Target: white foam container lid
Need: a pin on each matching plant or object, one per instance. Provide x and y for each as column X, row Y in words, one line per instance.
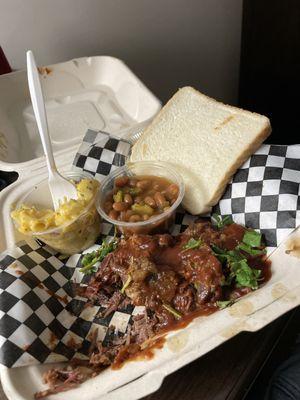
column 102, row 93
column 99, row 93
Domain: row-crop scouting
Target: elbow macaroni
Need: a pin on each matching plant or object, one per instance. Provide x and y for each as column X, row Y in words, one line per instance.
column 77, row 221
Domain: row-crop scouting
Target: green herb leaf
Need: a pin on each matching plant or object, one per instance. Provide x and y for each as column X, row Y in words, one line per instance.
column 252, row 238
column 251, row 250
column 126, row 284
column 91, row 270
column 90, row 259
column 224, row 303
column 192, row 244
column 221, row 254
column 245, row 276
column 225, row 255
column 217, row 250
column 220, row 222
column 171, row 310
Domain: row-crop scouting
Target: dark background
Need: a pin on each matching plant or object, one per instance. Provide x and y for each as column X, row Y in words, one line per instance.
column 270, row 65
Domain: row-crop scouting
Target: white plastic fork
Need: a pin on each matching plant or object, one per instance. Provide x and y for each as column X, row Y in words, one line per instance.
column 61, row 189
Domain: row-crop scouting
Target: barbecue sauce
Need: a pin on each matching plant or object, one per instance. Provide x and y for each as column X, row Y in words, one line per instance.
column 174, row 264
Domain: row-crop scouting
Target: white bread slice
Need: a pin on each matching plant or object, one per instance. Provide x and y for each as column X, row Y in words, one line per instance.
column 205, row 140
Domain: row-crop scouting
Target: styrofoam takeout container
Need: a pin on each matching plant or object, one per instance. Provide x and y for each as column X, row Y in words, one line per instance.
column 74, row 84
column 99, row 93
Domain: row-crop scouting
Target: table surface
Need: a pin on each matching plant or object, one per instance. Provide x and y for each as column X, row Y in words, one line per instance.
column 226, row 373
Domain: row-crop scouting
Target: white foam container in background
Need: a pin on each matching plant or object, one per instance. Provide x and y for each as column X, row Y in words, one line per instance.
column 102, row 93
column 99, row 93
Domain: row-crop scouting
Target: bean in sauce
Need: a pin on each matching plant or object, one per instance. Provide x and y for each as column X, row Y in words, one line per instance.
column 139, row 198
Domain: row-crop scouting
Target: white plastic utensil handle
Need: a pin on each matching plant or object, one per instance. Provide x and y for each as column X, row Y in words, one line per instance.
column 37, row 100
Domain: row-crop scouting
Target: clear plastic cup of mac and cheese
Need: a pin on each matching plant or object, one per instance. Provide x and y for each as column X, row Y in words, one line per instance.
column 72, row 228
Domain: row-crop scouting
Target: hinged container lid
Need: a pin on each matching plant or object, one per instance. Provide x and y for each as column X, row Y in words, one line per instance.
column 99, row 93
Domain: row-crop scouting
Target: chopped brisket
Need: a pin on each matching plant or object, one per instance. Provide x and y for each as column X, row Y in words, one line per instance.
column 170, row 279
column 61, row 380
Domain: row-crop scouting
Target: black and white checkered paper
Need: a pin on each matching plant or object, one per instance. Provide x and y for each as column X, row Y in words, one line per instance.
column 264, row 193
column 41, row 318
column 100, row 154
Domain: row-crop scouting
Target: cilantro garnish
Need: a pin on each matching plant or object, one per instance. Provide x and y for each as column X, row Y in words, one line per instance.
column 224, row 303
column 240, row 271
column 250, row 242
column 252, row 238
column 220, row 222
column 192, row 244
column 245, row 276
column 171, row 310
column 90, row 259
column 250, row 250
column 227, row 255
column 126, row 284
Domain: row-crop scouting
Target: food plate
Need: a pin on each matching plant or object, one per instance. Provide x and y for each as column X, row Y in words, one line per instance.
column 139, row 378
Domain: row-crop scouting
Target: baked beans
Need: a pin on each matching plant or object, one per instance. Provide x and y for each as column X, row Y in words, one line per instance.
column 139, row 198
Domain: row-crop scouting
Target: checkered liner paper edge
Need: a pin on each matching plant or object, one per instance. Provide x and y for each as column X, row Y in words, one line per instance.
column 42, row 321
